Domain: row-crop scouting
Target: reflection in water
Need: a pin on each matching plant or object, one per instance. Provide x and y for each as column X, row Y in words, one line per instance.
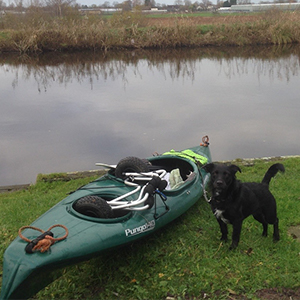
column 65, row 68
column 65, row 112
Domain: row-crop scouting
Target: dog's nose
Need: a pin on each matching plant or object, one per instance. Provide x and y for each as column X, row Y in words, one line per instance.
column 219, row 182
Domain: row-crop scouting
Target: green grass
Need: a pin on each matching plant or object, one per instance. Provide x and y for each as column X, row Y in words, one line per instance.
column 185, row 260
column 3, row 35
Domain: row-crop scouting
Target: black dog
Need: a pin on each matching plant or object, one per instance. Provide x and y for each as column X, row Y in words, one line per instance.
column 233, row 201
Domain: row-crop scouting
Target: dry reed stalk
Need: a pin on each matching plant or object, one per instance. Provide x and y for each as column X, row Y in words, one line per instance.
column 130, row 32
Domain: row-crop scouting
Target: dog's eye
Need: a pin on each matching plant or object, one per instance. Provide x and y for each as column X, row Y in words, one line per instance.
column 214, row 175
column 227, row 175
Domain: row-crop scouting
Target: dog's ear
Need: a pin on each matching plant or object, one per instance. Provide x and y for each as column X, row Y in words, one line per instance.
column 234, row 169
column 209, row 167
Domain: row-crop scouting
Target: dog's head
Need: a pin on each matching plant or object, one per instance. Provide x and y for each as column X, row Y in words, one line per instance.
column 222, row 177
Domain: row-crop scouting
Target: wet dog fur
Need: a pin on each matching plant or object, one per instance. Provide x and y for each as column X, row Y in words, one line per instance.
column 233, row 201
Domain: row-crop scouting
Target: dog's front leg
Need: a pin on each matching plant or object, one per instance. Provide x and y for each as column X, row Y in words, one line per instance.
column 237, row 227
column 224, row 230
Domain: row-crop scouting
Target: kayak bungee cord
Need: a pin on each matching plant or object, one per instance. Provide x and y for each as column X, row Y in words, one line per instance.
column 43, row 242
column 145, row 192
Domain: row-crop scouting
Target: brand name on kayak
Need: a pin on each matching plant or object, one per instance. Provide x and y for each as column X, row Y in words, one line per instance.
column 137, row 230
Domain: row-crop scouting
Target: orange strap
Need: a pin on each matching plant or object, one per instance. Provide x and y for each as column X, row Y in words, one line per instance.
column 44, row 244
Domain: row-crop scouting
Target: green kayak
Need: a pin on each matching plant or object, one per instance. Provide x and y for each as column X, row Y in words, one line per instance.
column 133, row 199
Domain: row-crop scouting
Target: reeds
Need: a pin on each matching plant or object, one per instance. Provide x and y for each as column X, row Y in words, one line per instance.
column 131, row 30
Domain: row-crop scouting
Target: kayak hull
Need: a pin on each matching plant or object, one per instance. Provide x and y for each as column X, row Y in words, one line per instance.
column 24, row 274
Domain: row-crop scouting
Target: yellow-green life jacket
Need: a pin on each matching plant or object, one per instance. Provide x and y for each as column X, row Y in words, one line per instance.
column 189, row 154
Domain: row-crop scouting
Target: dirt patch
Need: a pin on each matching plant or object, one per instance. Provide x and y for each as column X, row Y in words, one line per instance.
column 264, row 294
column 294, row 231
column 276, row 294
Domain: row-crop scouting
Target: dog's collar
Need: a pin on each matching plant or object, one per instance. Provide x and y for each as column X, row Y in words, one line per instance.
column 217, row 199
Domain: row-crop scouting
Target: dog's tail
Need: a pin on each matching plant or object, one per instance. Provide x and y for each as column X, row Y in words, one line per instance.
column 272, row 172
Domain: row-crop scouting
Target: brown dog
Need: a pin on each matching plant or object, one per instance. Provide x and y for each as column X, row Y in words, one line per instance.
column 233, row 201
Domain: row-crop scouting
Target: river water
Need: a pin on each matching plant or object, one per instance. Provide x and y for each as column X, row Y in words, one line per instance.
column 65, row 112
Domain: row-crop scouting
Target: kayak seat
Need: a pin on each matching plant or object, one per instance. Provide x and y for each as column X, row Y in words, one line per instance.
column 170, row 164
column 175, row 179
column 178, row 170
column 134, row 164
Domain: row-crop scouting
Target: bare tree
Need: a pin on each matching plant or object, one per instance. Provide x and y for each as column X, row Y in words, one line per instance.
column 60, row 5
column 19, row 5
column 36, row 3
column 205, row 4
column 187, row 3
column 136, row 3
column 106, row 4
column 2, row 4
column 178, row 2
column 127, row 5
column 195, row 6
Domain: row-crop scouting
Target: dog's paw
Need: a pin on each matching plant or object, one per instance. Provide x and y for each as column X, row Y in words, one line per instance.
column 224, row 238
column 233, row 246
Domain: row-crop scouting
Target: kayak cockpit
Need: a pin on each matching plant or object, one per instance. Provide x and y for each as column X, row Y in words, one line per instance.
column 148, row 181
column 167, row 163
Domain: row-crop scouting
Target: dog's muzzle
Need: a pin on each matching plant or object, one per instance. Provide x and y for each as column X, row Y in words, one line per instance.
column 219, row 186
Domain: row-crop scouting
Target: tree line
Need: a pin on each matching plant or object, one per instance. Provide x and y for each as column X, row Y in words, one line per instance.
column 63, row 7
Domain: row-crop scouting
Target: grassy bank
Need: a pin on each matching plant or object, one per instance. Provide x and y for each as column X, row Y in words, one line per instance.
column 39, row 33
column 185, row 260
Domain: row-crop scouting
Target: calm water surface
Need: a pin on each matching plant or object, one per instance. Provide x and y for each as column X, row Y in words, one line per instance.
column 66, row 112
